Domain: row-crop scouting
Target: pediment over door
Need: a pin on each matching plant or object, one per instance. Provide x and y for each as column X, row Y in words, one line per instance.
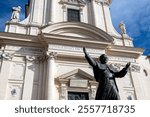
column 78, row 30
column 76, row 81
column 77, row 74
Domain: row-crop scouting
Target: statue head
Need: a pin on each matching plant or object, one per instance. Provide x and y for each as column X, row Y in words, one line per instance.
column 103, row 58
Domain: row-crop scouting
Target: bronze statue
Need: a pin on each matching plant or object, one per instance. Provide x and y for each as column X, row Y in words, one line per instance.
column 107, row 88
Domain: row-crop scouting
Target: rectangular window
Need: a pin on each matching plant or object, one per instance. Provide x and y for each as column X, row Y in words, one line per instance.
column 73, row 15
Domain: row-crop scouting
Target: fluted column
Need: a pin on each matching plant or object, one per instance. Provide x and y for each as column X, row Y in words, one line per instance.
column 50, row 75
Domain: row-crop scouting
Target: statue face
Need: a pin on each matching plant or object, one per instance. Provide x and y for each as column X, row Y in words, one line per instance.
column 103, row 59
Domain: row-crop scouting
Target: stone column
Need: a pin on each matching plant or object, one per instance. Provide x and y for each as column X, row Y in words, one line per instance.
column 50, row 75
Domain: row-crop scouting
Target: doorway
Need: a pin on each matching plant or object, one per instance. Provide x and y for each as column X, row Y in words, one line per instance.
column 78, row 96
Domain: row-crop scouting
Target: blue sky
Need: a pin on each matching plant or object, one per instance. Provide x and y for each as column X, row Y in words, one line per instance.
column 134, row 13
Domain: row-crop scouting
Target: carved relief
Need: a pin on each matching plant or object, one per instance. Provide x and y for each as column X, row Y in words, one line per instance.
column 135, row 68
column 35, row 59
column 116, row 66
column 130, row 95
column 6, row 56
column 63, row 93
column 51, row 55
column 14, row 91
column 63, row 88
column 93, row 93
column 93, row 86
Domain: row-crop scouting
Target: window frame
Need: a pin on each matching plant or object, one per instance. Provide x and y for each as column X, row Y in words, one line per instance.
column 73, row 17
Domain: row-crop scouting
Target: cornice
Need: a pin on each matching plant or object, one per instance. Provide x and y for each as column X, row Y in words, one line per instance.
column 24, row 25
column 19, row 39
column 74, row 41
column 124, row 51
column 55, row 28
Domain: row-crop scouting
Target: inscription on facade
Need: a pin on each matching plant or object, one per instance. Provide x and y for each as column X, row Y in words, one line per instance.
column 125, row 59
column 25, row 49
column 135, row 68
column 74, row 49
column 79, row 83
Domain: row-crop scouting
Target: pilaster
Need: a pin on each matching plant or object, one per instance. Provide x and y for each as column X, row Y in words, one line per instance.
column 50, row 75
column 29, row 77
column 4, row 73
column 93, row 87
column 136, row 78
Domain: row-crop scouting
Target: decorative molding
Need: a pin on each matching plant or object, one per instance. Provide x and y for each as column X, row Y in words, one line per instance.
column 25, row 50
column 63, row 88
column 107, row 2
column 35, row 59
column 116, row 66
column 13, row 92
column 6, row 56
column 73, row 2
column 93, row 86
column 135, row 68
column 124, row 59
column 51, row 55
column 74, row 49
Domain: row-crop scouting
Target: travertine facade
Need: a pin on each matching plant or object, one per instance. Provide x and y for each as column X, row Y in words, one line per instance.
column 42, row 56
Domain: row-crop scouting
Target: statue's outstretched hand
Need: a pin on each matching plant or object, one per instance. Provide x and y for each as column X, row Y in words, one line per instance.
column 84, row 50
column 127, row 65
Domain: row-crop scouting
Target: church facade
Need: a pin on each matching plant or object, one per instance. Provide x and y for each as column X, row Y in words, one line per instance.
column 42, row 56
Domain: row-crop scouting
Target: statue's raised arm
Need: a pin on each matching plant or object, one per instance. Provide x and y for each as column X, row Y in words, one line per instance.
column 123, row 72
column 90, row 60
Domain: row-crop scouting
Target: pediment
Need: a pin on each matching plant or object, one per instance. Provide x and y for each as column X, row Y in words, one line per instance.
column 79, row 30
column 77, row 74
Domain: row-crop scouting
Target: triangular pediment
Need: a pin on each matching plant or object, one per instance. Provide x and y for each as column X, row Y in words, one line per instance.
column 77, row 74
column 78, row 30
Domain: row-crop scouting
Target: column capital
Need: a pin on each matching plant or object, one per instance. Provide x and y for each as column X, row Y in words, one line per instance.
column 6, row 56
column 35, row 59
column 51, row 55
